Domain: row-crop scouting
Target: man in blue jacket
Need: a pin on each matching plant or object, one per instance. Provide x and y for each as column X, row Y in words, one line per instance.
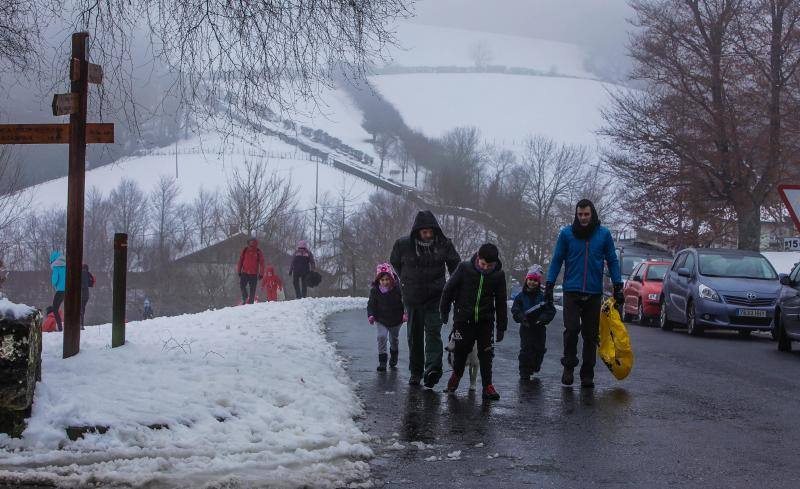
column 584, row 248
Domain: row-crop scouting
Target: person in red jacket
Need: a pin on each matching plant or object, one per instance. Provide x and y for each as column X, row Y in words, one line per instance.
column 272, row 284
column 250, row 270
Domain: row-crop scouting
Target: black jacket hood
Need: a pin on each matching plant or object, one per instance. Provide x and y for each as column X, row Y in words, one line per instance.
column 426, row 220
column 579, row 231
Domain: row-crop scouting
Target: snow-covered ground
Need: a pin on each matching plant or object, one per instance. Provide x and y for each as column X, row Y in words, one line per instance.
column 207, row 161
column 506, row 108
column 427, row 45
column 250, row 395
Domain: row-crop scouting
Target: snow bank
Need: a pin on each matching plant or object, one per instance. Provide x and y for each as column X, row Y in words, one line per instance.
column 14, row 311
column 251, row 396
column 783, row 261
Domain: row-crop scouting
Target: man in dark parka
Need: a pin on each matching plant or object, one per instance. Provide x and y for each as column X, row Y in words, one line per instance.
column 421, row 260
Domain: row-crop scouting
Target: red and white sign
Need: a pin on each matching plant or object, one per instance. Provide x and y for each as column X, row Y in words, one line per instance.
column 790, row 194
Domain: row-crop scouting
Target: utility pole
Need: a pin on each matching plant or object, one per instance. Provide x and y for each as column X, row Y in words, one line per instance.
column 316, row 204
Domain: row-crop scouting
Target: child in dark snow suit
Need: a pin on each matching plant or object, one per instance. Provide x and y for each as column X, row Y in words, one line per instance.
column 478, row 289
column 532, row 336
column 385, row 310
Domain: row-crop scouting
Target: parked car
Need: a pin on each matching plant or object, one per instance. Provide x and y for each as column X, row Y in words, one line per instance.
column 787, row 311
column 558, row 295
column 719, row 289
column 642, row 291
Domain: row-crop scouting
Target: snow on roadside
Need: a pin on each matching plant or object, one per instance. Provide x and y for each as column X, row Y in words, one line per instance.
column 14, row 311
column 252, row 396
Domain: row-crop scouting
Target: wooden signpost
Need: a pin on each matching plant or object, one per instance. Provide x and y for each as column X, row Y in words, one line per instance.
column 77, row 134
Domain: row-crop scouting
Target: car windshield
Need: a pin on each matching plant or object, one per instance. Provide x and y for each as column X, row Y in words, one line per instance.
column 629, row 262
column 756, row 267
column 655, row 273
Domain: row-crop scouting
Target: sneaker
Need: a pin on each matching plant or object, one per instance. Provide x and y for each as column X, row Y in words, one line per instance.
column 490, row 393
column 567, row 378
column 452, row 384
column 413, row 380
column 587, row 383
column 432, row 378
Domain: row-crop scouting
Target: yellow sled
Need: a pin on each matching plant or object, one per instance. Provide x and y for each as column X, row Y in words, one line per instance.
column 615, row 344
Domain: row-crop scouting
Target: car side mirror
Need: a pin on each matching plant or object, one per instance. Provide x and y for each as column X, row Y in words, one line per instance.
column 684, row 272
column 785, row 280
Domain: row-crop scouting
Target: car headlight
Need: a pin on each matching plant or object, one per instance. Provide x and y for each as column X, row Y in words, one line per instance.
column 708, row 293
column 652, row 297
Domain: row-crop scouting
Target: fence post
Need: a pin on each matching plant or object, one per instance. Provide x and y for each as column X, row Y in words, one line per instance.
column 120, row 289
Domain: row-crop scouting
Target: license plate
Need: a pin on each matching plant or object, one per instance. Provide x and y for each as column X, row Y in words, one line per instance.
column 751, row 313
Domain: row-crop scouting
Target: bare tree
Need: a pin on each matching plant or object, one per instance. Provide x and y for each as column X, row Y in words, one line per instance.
column 12, row 199
column 721, row 89
column 97, row 248
column 481, row 54
column 256, row 198
column 206, row 216
column 164, row 218
column 129, row 211
column 384, row 145
column 19, row 32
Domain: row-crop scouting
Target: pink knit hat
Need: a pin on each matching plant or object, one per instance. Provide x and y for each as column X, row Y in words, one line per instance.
column 384, row 269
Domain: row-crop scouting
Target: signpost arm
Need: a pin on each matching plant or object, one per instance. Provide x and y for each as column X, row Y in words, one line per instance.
column 75, row 200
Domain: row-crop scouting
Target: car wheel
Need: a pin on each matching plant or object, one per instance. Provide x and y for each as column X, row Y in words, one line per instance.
column 744, row 333
column 663, row 321
column 691, row 324
column 784, row 342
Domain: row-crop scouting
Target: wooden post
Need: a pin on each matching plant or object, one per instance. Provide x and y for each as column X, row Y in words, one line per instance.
column 120, row 289
column 75, row 198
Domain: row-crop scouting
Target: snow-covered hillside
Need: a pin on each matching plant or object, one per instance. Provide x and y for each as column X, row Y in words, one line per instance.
column 506, row 108
column 425, row 45
column 216, row 399
column 207, row 161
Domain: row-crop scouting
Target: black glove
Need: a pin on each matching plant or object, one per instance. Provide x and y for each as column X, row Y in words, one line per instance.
column 548, row 292
column 619, row 297
column 501, row 333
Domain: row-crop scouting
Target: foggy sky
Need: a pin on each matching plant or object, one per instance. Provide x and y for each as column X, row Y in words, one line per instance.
column 598, row 26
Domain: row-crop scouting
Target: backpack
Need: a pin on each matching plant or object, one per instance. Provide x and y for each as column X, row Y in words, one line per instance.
column 313, row 279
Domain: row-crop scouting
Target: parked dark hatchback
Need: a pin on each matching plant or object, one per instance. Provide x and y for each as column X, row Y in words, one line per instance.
column 787, row 312
column 719, row 289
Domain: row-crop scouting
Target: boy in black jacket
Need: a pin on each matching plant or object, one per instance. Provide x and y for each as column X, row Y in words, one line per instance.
column 385, row 310
column 478, row 288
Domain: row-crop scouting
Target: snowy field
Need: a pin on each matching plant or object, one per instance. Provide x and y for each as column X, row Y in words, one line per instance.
column 506, row 108
column 426, row 45
column 207, row 161
column 250, row 396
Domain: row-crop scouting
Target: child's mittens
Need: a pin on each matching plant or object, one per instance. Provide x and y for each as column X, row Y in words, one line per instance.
column 371, row 319
column 405, row 318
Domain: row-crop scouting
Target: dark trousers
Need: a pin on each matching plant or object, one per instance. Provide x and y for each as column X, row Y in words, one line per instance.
column 465, row 335
column 84, row 300
column 532, row 341
column 58, row 299
column 300, row 288
column 245, row 280
column 581, row 316
column 425, row 348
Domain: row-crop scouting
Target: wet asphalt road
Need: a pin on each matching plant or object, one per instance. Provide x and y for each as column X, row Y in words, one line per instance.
column 716, row 411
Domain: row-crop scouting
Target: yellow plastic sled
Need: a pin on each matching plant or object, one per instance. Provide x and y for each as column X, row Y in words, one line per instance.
column 615, row 344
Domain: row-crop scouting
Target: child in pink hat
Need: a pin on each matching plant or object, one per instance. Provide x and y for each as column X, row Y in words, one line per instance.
column 385, row 311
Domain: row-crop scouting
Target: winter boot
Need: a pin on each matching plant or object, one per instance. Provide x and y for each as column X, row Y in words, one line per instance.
column 393, row 354
column 382, row 362
column 452, row 384
column 568, row 377
column 490, row 393
column 587, row 383
column 432, row 378
column 413, row 380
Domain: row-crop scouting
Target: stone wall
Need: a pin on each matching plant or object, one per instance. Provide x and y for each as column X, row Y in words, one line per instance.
column 20, row 367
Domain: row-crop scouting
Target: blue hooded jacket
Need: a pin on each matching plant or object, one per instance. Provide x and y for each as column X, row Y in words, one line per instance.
column 58, row 263
column 584, row 261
